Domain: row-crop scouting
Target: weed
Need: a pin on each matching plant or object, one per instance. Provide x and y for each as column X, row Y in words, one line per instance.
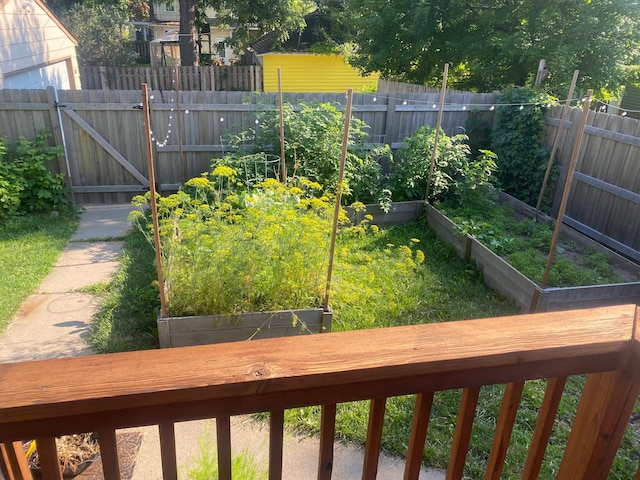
column 204, row 466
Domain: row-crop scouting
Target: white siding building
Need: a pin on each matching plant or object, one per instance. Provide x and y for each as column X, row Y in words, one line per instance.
column 36, row 50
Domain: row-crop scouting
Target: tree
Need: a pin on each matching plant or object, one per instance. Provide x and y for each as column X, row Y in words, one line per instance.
column 188, row 33
column 247, row 17
column 498, row 43
column 102, row 39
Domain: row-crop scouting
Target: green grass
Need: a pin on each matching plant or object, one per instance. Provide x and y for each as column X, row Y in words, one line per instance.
column 130, row 304
column 29, row 248
column 204, row 466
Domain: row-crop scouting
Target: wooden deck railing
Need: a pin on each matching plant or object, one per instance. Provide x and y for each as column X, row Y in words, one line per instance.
column 103, row 393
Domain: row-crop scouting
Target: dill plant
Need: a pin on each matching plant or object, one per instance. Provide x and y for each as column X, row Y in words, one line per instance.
column 225, row 250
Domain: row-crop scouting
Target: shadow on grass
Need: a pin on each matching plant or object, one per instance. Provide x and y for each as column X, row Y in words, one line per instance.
column 127, row 318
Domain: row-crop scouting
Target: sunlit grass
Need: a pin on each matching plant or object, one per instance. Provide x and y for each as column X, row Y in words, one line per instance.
column 29, row 248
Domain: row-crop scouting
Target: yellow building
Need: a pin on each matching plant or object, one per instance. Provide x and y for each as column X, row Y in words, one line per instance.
column 308, row 72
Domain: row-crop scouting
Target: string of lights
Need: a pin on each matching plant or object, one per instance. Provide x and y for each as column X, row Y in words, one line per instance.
column 375, row 97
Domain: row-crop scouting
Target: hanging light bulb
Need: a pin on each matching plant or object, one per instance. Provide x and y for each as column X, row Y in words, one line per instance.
column 521, row 107
column 186, row 112
column 492, row 107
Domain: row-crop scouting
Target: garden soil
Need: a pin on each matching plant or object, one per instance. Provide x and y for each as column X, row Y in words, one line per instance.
column 54, row 323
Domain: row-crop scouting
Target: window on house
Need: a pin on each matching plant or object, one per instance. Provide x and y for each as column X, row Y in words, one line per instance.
column 170, row 7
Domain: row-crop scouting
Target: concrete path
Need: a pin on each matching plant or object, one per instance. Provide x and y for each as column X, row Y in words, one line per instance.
column 54, row 322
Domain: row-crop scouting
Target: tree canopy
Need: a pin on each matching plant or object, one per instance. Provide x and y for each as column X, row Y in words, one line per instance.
column 495, row 44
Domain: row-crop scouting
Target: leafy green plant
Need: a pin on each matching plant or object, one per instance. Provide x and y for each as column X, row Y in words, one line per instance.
column 517, row 140
column 313, row 139
column 525, row 243
column 455, row 173
column 26, row 184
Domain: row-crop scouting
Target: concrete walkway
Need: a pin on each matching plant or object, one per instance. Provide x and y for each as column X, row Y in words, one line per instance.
column 54, row 322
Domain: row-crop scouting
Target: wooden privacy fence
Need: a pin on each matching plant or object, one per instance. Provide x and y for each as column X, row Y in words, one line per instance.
column 105, row 157
column 604, row 203
column 223, row 78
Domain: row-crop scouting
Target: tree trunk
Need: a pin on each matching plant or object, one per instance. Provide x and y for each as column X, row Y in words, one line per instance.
column 188, row 33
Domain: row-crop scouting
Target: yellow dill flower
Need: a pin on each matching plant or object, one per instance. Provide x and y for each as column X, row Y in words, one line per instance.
column 419, row 257
column 198, row 182
column 368, row 216
column 374, row 228
column 415, row 240
column 224, row 171
column 406, row 251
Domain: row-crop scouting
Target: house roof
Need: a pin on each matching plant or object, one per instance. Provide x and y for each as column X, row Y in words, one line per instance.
column 56, row 20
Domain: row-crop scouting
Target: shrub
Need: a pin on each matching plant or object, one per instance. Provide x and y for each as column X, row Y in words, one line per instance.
column 455, row 173
column 517, row 140
column 313, row 140
column 26, row 184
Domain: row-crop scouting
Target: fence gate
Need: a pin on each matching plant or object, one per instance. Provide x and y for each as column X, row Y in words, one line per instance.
column 105, row 144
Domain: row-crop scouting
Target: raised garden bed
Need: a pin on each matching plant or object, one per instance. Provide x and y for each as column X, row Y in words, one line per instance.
column 207, row 329
column 530, row 297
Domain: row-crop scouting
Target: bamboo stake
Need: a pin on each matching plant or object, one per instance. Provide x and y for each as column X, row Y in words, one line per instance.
column 183, row 174
column 567, row 186
column 556, row 142
column 154, row 205
column 336, row 212
column 283, row 166
column 443, row 91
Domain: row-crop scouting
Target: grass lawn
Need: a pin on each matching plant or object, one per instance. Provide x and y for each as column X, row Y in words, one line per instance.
column 29, row 247
column 371, row 290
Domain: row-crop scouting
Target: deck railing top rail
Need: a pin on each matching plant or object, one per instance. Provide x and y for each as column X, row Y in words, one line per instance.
column 97, row 393
column 277, row 372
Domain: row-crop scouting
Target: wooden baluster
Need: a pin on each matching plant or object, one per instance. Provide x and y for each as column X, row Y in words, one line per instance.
column 48, row 457
column 374, row 438
column 108, row 453
column 13, row 462
column 603, row 415
column 462, row 434
column 504, row 428
column 544, row 426
column 167, row 433
column 327, row 438
column 223, row 432
column 276, row 438
column 419, row 426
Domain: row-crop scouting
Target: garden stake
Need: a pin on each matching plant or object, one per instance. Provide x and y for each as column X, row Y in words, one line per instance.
column 183, row 173
column 443, row 91
column 154, row 205
column 567, row 185
column 336, row 211
column 556, row 141
column 283, row 166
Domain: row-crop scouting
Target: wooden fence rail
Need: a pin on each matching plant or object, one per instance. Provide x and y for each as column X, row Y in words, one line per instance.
column 207, row 78
column 106, row 162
